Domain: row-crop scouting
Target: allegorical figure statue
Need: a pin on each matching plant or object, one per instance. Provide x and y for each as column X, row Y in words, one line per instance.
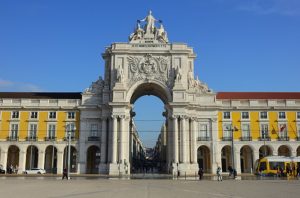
column 150, row 26
column 120, row 74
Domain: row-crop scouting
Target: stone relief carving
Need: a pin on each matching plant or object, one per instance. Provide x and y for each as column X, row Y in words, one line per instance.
column 148, row 67
column 196, row 84
column 95, row 87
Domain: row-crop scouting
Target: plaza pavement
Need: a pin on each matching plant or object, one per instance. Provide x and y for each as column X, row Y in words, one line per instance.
column 88, row 187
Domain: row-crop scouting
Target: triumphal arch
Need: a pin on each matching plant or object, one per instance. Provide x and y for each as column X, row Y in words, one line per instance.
column 148, row 64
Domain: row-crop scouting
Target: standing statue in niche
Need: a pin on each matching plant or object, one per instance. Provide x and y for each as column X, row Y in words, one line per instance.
column 120, row 74
column 191, row 80
column 178, row 74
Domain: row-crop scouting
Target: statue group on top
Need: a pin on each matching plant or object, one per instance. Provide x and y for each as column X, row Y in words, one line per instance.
column 149, row 30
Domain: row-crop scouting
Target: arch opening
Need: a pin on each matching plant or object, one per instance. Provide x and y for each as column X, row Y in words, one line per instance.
column 73, row 159
column 226, row 158
column 51, row 159
column 264, row 151
column 32, row 156
column 284, row 151
column 12, row 158
column 148, row 129
column 203, row 159
column 246, row 156
column 93, row 159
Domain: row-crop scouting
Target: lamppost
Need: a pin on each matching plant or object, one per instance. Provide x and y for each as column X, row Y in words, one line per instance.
column 233, row 129
column 71, row 129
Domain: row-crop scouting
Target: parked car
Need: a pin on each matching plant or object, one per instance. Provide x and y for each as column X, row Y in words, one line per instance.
column 35, row 171
column 2, row 171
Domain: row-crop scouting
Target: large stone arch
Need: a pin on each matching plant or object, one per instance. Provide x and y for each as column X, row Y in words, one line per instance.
column 150, row 87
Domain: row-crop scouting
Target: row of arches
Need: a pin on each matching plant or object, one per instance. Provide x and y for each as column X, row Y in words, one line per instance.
column 51, row 158
column 246, row 156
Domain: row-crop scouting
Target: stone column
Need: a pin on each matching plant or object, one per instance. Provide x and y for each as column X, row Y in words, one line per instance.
column 215, row 153
column 183, row 141
column 22, row 161
column 175, row 139
column 275, row 152
column 60, row 162
column 170, row 145
column 41, row 160
column 114, row 140
column 193, row 142
column 121, row 139
column 103, row 141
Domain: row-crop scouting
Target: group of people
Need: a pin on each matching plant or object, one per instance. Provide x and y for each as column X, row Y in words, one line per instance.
column 12, row 169
column 219, row 173
column 290, row 171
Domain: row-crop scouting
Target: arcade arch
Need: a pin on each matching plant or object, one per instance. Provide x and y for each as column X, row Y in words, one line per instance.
column 13, row 156
column 284, row 150
column 93, row 159
column 32, row 156
column 203, row 158
column 246, row 153
column 73, row 159
column 226, row 158
column 265, row 150
column 51, row 159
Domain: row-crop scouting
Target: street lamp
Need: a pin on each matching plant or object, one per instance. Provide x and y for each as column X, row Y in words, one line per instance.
column 233, row 129
column 71, row 129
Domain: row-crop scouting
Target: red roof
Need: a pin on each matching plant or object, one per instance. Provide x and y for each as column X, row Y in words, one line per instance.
column 258, row 95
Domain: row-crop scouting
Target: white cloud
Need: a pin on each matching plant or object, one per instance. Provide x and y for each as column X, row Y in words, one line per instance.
column 10, row 86
column 265, row 7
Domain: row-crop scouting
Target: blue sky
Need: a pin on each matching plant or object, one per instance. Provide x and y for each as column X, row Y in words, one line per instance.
column 241, row 45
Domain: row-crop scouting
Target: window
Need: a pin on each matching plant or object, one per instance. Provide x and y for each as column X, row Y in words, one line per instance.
column 34, row 114
column 245, row 115
column 71, row 115
column 51, row 131
column 32, row 131
column 203, row 131
column 227, row 130
column 94, row 130
column 14, row 131
column 282, row 131
column 15, row 115
column 298, row 115
column 245, row 130
column 264, row 130
column 281, row 115
column 52, row 115
column 226, row 115
column 70, row 128
column 263, row 115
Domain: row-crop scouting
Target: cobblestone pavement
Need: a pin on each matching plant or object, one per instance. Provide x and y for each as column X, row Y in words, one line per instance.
column 54, row 187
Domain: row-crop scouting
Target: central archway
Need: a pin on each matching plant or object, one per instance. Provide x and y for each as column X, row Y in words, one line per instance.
column 148, row 129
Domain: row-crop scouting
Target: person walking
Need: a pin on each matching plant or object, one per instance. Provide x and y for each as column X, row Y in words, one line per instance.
column 219, row 171
column 200, row 173
column 65, row 174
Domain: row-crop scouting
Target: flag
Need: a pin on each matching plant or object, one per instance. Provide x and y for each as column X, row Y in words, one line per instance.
column 282, row 127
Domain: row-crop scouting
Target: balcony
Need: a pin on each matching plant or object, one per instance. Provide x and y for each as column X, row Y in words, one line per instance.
column 204, row 138
column 50, row 138
column 283, row 139
column 227, row 138
column 33, row 138
column 72, row 139
column 12, row 138
column 267, row 138
column 94, row 138
column 246, row 138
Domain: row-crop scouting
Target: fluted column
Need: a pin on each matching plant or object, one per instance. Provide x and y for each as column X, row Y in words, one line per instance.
column 103, row 141
column 175, row 139
column 183, row 140
column 193, row 142
column 114, row 140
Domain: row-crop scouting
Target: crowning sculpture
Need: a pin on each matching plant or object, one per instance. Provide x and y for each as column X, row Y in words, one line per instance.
column 149, row 31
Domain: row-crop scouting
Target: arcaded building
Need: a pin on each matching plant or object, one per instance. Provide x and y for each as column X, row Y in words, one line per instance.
column 201, row 126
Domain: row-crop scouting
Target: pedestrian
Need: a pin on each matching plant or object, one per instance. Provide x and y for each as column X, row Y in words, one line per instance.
column 219, row 171
column 298, row 170
column 65, row 174
column 200, row 173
